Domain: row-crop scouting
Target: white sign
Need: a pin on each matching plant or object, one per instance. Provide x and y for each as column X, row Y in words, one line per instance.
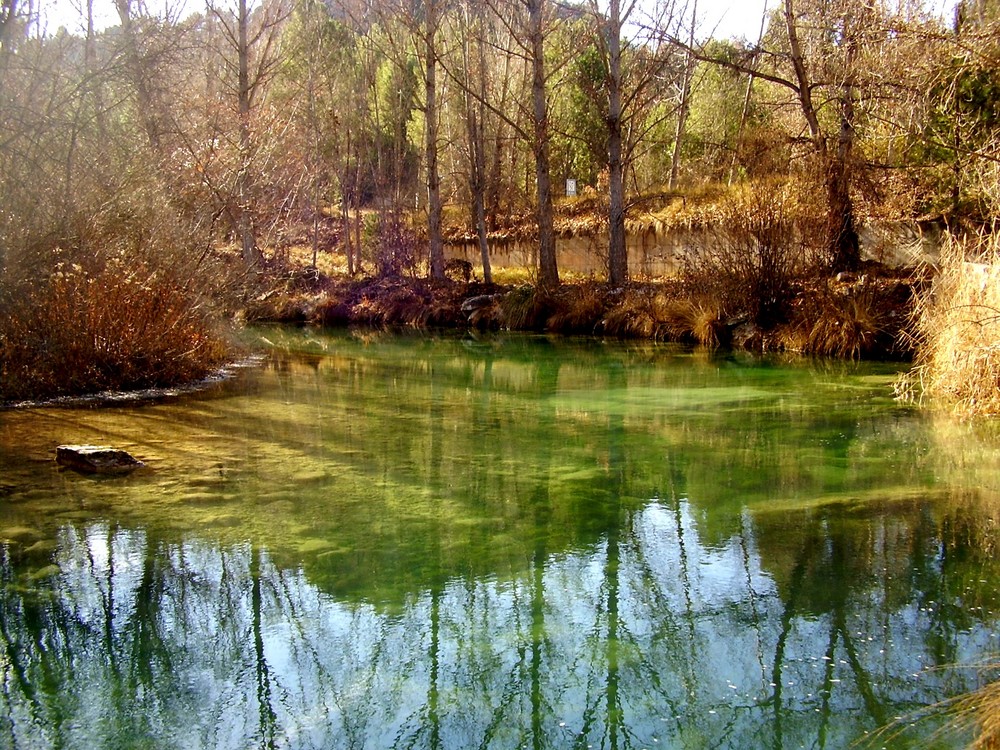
column 570, row 188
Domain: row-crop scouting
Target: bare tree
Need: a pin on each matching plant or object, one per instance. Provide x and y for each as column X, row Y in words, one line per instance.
column 633, row 83
column 431, row 25
column 251, row 35
column 420, row 22
column 470, row 28
column 815, row 57
column 548, row 272
column 527, row 25
column 684, row 108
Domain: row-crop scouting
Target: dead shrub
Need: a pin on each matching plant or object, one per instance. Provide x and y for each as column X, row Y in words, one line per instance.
column 758, row 251
column 394, row 245
column 120, row 328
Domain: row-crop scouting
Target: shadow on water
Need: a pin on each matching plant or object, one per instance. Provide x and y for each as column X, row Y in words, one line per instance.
column 513, row 542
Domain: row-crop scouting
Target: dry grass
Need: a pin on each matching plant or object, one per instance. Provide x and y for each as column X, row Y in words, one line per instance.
column 525, row 308
column 392, row 303
column 958, row 330
column 664, row 313
column 124, row 327
column 578, row 308
column 851, row 321
column 982, row 710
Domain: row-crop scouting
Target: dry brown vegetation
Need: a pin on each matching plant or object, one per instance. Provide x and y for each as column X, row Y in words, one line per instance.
column 856, row 317
column 861, row 318
column 112, row 329
column 756, row 283
column 957, row 325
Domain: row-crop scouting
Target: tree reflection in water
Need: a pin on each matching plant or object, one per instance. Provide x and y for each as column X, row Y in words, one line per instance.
column 647, row 637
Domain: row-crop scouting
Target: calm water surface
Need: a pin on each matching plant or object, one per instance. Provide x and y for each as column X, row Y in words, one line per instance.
column 376, row 541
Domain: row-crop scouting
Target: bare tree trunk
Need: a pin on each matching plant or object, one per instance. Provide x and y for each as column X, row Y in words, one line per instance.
column 844, row 244
column 617, row 250
column 548, row 272
column 478, row 188
column 477, row 184
column 475, row 129
column 482, row 238
column 315, row 160
column 431, row 127
column 494, row 193
column 804, row 83
column 345, row 223
column 346, row 190
column 9, row 12
column 358, row 221
column 251, row 253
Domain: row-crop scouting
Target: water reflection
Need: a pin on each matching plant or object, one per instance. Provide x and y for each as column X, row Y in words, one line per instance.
column 433, row 548
column 646, row 637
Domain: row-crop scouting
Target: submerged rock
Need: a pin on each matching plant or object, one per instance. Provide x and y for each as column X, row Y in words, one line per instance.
column 96, row 459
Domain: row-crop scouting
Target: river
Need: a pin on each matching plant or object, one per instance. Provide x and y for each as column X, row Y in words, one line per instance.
column 418, row 541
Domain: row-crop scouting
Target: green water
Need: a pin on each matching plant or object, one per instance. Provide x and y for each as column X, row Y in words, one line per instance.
column 377, row 541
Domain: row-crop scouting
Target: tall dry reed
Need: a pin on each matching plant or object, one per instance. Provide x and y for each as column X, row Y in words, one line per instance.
column 958, row 329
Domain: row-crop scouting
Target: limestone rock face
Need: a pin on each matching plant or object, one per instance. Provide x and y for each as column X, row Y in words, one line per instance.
column 96, row 459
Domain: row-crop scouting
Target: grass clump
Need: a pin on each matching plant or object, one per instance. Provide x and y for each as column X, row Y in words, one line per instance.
column 121, row 327
column 852, row 320
column 578, row 308
column 981, row 709
column 957, row 327
column 665, row 312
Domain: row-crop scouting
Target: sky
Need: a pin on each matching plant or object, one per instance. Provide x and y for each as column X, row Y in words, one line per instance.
column 732, row 19
column 742, row 17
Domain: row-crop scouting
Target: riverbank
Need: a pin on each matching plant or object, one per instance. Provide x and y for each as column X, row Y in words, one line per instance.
column 865, row 315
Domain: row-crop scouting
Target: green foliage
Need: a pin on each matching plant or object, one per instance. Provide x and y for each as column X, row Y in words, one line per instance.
column 965, row 106
column 579, row 135
column 713, row 127
column 585, row 131
column 963, row 119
